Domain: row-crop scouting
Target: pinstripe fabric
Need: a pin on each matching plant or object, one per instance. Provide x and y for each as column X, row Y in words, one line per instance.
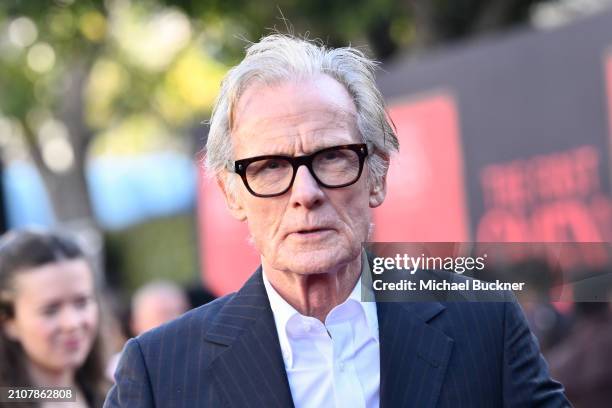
column 224, row 354
column 227, row 354
column 462, row 354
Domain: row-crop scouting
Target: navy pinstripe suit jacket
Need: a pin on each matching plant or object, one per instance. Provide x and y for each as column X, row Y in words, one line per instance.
column 227, row 354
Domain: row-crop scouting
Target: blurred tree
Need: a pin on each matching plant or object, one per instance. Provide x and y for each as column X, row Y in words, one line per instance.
column 125, row 76
column 45, row 60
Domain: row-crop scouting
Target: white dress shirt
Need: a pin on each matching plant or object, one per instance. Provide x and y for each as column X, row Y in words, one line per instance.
column 336, row 364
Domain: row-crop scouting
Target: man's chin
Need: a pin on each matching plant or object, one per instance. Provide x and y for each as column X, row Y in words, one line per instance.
column 316, row 261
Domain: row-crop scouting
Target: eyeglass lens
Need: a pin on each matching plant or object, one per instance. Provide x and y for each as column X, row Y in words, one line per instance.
column 331, row 167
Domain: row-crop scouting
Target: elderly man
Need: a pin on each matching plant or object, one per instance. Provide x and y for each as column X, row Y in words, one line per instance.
column 300, row 145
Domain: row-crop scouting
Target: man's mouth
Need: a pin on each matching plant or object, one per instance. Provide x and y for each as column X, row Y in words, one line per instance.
column 312, row 231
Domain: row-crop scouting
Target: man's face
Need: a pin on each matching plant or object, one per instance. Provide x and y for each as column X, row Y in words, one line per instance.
column 309, row 229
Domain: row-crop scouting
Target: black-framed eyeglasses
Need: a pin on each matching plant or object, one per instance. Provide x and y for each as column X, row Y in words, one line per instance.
column 273, row 175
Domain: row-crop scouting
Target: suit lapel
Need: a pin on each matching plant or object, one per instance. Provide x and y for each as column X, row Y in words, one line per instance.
column 413, row 355
column 250, row 371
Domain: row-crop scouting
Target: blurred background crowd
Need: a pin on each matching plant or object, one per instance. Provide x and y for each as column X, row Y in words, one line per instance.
column 103, row 106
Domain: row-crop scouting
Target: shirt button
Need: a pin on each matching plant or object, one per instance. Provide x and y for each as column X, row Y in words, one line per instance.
column 341, row 366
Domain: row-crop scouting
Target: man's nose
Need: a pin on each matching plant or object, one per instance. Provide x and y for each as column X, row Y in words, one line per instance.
column 305, row 191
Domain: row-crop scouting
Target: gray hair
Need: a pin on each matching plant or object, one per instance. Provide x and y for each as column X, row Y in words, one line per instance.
column 279, row 57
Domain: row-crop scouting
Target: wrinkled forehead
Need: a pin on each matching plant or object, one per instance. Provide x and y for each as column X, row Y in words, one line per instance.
column 275, row 122
column 339, row 104
column 310, row 109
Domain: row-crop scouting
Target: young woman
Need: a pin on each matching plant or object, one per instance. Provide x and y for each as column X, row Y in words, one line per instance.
column 49, row 317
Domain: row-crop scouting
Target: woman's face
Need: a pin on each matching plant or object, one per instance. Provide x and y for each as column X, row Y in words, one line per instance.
column 56, row 314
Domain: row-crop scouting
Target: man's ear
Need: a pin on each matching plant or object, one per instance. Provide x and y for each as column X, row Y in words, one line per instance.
column 378, row 191
column 231, row 200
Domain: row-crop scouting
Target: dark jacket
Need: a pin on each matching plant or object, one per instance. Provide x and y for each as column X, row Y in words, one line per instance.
column 432, row 354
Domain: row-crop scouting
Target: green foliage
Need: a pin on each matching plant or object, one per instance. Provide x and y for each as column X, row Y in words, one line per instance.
column 338, row 22
column 164, row 248
column 136, row 58
column 64, row 29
